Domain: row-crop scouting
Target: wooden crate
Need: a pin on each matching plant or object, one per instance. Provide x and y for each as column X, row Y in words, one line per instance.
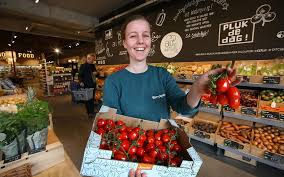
column 240, row 158
column 40, row 161
column 21, row 171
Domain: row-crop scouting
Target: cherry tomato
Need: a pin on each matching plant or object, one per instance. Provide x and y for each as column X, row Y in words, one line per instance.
column 103, row 144
column 163, row 156
column 119, row 123
column 158, row 143
column 153, row 153
column 125, row 145
column 122, row 128
column 132, row 150
column 140, row 143
column 151, row 139
column 158, row 136
column 136, row 129
column 150, row 133
column 173, row 163
column 133, row 135
column 213, row 99
column 133, row 158
column 222, row 99
column 149, row 147
column 166, row 138
column 100, row 131
column 234, row 103
column 120, row 156
column 222, row 85
column 142, row 138
column 101, row 122
column 123, row 136
column 140, row 151
column 147, row 159
column 177, row 148
column 165, row 130
column 129, row 129
column 233, row 92
column 162, row 148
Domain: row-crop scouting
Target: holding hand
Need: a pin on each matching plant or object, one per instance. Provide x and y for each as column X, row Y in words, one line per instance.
column 136, row 173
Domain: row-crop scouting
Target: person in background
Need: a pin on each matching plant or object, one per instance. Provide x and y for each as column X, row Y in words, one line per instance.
column 87, row 79
column 148, row 92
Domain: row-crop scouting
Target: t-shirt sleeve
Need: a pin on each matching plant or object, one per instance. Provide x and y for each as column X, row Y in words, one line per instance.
column 177, row 98
column 111, row 95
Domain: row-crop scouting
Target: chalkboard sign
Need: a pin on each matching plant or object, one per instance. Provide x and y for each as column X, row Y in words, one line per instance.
column 201, row 30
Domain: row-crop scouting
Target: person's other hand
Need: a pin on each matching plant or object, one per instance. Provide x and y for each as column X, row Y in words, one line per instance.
column 202, row 83
column 136, row 173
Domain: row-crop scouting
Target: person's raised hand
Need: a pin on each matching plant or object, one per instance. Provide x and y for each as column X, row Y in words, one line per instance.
column 136, row 173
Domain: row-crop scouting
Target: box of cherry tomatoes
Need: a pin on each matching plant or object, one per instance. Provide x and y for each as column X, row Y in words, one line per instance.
column 119, row 143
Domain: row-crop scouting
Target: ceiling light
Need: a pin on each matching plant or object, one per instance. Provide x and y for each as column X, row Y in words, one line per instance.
column 9, row 45
column 13, row 42
column 36, row 1
column 70, row 46
column 27, row 28
column 77, row 43
column 15, row 36
column 56, row 50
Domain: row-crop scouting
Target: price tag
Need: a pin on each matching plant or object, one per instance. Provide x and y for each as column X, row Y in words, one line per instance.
column 37, row 150
column 276, row 158
column 201, row 134
column 269, row 115
column 228, row 108
column 281, row 116
column 196, row 76
column 248, row 111
column 213, row 106
column 244, row 78
column 10, row 159
column 271, row 79
column 233, row 144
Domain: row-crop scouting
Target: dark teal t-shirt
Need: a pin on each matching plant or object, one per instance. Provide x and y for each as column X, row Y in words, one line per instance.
column 147, row 95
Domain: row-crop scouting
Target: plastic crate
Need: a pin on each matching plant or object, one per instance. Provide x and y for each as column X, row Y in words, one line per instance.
column 83, row 94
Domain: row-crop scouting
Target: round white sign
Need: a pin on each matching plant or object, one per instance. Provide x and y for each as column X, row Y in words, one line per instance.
column 171, row 44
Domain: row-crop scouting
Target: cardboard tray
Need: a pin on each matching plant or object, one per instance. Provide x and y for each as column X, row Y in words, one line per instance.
column 98, row 162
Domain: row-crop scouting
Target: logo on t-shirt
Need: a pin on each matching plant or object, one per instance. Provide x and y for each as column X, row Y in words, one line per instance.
column 158, row 96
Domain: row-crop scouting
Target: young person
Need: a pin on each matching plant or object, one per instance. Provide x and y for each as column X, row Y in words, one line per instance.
column 87, row 79
column 148, row 92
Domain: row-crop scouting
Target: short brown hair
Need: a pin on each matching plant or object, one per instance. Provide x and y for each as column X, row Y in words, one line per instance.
column 130, row 19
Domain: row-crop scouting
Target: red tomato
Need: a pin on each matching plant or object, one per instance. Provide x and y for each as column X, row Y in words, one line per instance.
column 136, row 129
column 150, row 133
column 158, row 136
column 213, row 99
column 222, row 85
column 125, row 145
column 110, row 122
column 133, row 158
column 132, row 150
column 122, row 128
column 147, row 159
column 158, row 143
column 153, row 153
column 133, row 135
column 103, row 144
column 163, row 156
column 205, row 97
column 140, row 151
column 234, row 103
column 100, row 131
column 140, row 143
column 149, row 147
column 114, row 150
column 177, row 148
column 173, row 163
column 166, row 138
column 142, row 138
column 178, row 160
column 151, row 139
column 123, row 136
column 120, row 156
column 165, row 130
column 172, row 144
column 119, row 123
column 172, row 132
column 101, row 122
column 233, row 92
column 162, row 148
column 222, row 99
column 129, row 129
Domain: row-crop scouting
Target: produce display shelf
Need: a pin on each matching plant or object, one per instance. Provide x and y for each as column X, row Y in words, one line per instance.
column 258, row 159
column 243, row 84
column 63, row 74
column 203, row 140
column 272, row 122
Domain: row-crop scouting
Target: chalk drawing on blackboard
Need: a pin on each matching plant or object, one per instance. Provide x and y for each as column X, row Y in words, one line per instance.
column 161, row 18
column 108, row 52
column 263, row 15
column 171, row 44
column 124, row 52
column 280, row 34
column 236, row 32
column 155, row 37
column 99, row 46
column 119, row 43
column 152, row 51
column 108, row 34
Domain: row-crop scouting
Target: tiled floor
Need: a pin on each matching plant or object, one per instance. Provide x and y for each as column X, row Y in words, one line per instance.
column 72, row 126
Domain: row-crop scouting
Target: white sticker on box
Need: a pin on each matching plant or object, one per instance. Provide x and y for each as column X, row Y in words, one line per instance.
column 173, row 123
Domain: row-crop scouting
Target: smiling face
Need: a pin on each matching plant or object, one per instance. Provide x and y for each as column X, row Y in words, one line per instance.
column 137, row 40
